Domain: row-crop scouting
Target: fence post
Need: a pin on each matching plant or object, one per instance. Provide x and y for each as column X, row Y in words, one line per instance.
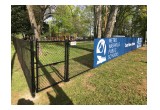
column 32, row 67
column 37, row 55
column 66, row 74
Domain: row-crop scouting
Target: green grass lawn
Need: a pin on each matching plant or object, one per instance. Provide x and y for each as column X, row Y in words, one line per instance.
column 122, row 80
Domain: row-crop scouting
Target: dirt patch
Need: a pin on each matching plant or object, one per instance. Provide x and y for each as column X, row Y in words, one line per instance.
column 22, row 99
column 89, row 75
column 142, row 88
column 143, row 48
column 87, row 84
column 61, row 84
column 14, row 98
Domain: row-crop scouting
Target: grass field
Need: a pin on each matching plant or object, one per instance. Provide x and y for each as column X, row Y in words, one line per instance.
column 122, row 80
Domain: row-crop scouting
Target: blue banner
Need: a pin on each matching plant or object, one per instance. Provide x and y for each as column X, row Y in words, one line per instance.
column 106, row 49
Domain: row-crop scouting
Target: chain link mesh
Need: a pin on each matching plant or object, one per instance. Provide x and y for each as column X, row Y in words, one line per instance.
column 23, row 51
column 51, row 62
column 80, row 58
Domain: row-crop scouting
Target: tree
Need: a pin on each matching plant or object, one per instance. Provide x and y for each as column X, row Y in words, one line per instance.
column 105, row 14
column 36, row 16
column 72, row 20
column 88, row 17
column 40, row 14
column 131, row 20
column 37, row 27
column 62, row 20
column 140, row 21
column 33, row 21
column 97, row 20
column 104, row 20
column 19, row 20
column 111, row 20
column 123, row 25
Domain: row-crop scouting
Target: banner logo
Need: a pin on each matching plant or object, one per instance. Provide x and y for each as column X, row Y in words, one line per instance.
column 101, row 51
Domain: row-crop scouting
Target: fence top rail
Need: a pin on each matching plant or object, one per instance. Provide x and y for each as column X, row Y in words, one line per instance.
column 48, row 41
column 80, row 40
column 117, row 37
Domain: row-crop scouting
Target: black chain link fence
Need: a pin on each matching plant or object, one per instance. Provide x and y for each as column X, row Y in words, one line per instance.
column 80, row 57
column 25, row 56
column 52, row 61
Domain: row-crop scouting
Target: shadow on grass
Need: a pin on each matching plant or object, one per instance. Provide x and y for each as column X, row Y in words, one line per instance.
column 48, row 73
column 27, row 72
column 61, row 97
column 25, row 102
column 80, row 65
column 12, row 63
column 143, row 61
column 86, row 60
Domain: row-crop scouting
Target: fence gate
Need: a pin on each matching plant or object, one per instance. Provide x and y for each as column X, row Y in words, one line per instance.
column 51, row 58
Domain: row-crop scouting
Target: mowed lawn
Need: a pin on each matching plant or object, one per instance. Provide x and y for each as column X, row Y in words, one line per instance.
column 122, row 80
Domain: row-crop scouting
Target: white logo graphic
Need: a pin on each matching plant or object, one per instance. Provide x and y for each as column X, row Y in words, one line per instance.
column 101, row 51
column 139, row 42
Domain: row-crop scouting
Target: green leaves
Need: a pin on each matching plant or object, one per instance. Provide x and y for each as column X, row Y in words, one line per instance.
column 131, row 20
column 72, row 19
column 19, row 19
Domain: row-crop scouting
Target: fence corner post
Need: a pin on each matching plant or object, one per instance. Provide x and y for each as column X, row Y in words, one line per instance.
column 66, row 69
column 32, row 67
column 37, row 55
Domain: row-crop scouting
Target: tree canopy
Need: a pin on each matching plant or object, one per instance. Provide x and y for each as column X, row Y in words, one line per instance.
column 19, row 19
column 72, row 20
column 131, row 20
column 81, row 20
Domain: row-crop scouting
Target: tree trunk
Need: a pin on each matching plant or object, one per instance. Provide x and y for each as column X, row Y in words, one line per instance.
column 99, row 21
column 106, row 16
column 111, row 21
column 95, row 21
column 39, row 28
column 105, row 19
column 33, row 22
column 43, row 9
column 34, row 25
